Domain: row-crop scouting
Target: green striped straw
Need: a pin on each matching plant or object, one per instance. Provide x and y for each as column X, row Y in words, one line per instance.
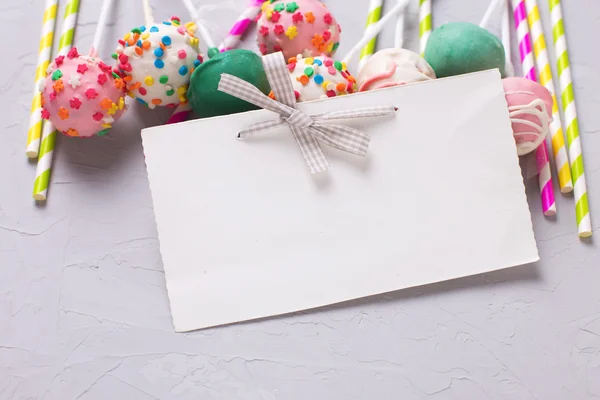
column 582, row 211
column 424, row 23
column 373, row 17
column 42, row 173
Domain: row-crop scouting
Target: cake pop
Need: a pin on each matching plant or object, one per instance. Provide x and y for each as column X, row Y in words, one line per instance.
column 319, row 77
column 204, row 95
column 460, row 48
column 81, row 95
column 297, row 27
column 393, row 67
column 157, row 60
column 530, row 108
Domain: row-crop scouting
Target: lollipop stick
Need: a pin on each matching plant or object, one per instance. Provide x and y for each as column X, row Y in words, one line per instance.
column 424, row 23
column 42, row 173
column 241, row 25
column 104, row 12
column 147, row 12
column 524, row 38
column 399, row 36
column 489, row 12
column 506, row 41
column 44, row 53
column 371, row 33
column 200, row 27
column 373, row 16
column 582, row 211
column 545, row 75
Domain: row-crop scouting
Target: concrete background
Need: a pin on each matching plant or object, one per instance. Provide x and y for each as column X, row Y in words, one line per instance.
column 84, row 312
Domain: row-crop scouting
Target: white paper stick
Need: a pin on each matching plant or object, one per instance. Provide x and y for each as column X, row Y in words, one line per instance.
column 506, row 41
column 102, row 20
column 399, row 36
column 375, row 30
column 200, row 27
column 489, row 12
column 147, row 12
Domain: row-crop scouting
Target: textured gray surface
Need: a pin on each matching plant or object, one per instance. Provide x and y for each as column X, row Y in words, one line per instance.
column 83, row 307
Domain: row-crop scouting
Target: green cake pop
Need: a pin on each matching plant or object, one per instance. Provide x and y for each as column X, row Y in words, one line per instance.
column 203, row 93
column 460, row 48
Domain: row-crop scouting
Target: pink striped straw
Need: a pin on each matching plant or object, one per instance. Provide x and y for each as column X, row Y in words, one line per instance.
column 241, row 26
column 527, row 61
column 181, row 113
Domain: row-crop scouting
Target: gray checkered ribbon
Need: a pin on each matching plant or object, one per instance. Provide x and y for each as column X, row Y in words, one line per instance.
column 307, row 130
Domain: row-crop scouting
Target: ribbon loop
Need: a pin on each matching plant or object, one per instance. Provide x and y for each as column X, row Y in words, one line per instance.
column 306, row 129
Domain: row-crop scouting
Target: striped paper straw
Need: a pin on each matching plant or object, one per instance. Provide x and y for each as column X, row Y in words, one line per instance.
column 545, row 75
column 373, row 17
column 181, row 113
column 424, row 23
column 584, row 223
column 543, row 162
column 42, row 173
column 44, row 53
column 241, row 26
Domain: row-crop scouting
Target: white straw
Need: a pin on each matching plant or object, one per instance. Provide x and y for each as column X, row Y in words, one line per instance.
column 147, row 12
column 399, row 37
column 489, row 12
column 102, row 20
column 510, row 69
column 200, row 27
column 373, row 32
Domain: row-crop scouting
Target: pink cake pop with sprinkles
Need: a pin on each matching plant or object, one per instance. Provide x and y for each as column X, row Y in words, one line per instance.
column 81, row 95
column 303, row 27
column 157, row 60
column 320, row 77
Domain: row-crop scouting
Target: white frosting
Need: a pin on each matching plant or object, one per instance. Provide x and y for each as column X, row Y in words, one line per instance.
column 392, row 67
column 330, row 76
column 143, row 66
column 536, row 109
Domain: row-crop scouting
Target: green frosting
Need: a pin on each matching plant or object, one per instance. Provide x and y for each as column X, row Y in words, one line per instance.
column 203, row 93
column 460, row 48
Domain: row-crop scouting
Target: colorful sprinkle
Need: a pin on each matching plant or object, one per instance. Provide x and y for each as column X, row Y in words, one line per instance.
column 149, row 80
column 142, row 91
column 158, row 52
column 197, row 63
column 292, row 7
column 278, row 29
column 152, row 29
column 74, row 81
column 183, row 70
column 156, row 101
column 45, row 114
column 279, row 7
column 330, row 93
column 163, row 79
column 309, row 71
column 52, row 96
column 298, row 17
column 159, row 63
column 318, row 79
column 310, row 17
column 75, row 103
column 112, row 111
column 264, row 30
column 146, row 45
column 58, row 86
column 328, row 19
column 56, row 75
column 275, row 16
column 139, row 51
column 303, row 80
column 170, row 92
column 136, row 30
column 121, row 103
column 119, row 83
column 102, row 79
column 72, row 132
column 63, row 113
column 72, row 53
column 102, row 132
column 291, row 32
column 98, row 116
column 106, row 103
column 166, row 40
column 181, row 54
column 338, row 65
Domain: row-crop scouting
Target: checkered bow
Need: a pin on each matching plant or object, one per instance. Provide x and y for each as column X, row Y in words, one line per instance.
column 307, row 130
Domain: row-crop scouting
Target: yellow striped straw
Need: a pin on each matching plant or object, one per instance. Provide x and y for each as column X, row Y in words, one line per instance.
column 373, row 17
column 545, row 75
column 424, row 23
column 42, row 173
column 44, row 53
column 582, row 211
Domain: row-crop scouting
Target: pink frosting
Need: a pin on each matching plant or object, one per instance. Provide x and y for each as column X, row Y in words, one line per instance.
column 80, row 95
column 521, row 92
column 300, row 27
